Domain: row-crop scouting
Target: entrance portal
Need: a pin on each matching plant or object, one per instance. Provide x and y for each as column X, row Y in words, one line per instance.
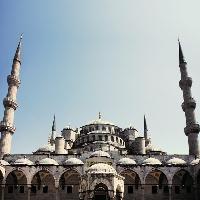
column 101, row 192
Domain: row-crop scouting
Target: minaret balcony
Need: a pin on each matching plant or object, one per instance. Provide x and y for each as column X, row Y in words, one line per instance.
column 13, row 80
column 6, row 126
column 185, row 83
column 192, row 128
column 191, row 103
column 9, row 102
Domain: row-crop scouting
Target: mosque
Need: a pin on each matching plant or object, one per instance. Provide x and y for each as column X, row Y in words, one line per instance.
column 100, row 160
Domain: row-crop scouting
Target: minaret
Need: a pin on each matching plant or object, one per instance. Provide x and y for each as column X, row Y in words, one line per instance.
column 192, row 128
column 53, row 131
column 7, row 124
column 145, row 129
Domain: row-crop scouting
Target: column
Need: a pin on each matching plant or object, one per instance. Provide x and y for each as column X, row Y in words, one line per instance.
column 142, row 192
column 29, row 192
column 57, row 194
column 170, row 192
column 2, row 191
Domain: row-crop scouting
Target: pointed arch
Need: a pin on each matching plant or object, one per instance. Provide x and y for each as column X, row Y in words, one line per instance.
column 182, row 185
column 43, row 185
column 69, row 182
column 156, row 185
column 132, row 184
column 15, row 185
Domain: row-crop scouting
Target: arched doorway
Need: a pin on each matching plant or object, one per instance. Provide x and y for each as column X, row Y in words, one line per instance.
column 182, row 185
column 156, row 186
column 16, row 186
column 43, row 186
column 132, row 189
column 69, row 185
column 101, row 192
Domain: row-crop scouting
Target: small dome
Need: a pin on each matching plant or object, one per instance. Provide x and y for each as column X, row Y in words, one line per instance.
column 151, row 161
column 195, row 162
column 151, row 147
column 101, row 168
column 176, row 161
column 47, row 148
column 126, row 161
column 23, row 161
column 3, row 162
column 100, row 154
column 73, row 161
column 48, row 161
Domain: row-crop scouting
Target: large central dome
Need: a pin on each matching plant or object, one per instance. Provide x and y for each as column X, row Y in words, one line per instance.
column 100, row 121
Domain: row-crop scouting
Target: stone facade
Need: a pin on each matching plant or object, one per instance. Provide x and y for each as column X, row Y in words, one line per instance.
column 99, row 161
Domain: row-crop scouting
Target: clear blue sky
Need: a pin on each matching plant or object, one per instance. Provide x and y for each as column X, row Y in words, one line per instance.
column 117, row 57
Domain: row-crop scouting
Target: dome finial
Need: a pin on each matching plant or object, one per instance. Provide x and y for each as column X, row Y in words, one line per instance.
column 99, row 115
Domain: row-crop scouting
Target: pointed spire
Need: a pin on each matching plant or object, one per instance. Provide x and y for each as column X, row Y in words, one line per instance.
column 54, row 123
column 181, row 56
column 18, row 50
column 145, row 128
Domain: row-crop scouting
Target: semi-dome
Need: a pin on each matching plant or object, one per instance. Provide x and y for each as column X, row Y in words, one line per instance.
column 73, row 161
column 101, row 168
column 47, row 148
column 100, row 154
column 151, row 161
column 126, row 161
column 176, row 161
column 23, row 161
column 195, row 162
column 3, row 162
column 48, row 161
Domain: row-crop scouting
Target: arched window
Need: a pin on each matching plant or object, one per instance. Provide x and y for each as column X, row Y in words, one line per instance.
column 93, row 137
column 106, row 138
column 100, row 137
column 112, row 138
column 117, row 139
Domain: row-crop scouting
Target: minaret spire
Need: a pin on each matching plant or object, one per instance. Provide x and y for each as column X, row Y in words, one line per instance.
column 53, row 131
column 54, row 123
column 7, row 124
column 192, row 128
column 181, row 56
column 145, row 129
column 18, row 50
